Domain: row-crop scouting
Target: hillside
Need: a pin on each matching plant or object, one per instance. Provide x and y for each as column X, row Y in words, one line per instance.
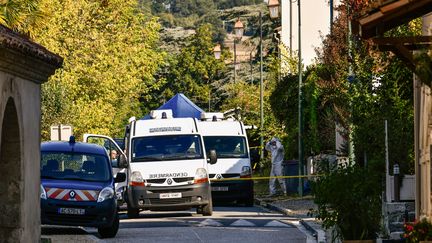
column 223, row 21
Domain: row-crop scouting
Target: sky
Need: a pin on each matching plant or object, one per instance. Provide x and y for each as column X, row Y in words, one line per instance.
column 315, row 18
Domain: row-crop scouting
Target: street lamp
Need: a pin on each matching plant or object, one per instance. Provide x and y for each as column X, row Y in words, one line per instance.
column 273, row 6
column 217, row 51
column 217, row 54
column 238, row 32
column 300, row 97
column 238, row 29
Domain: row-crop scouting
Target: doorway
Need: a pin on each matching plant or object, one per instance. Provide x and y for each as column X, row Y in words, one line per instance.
column 11, row 183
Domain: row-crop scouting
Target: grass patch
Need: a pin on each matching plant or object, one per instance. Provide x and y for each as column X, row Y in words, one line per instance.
column 261, row 187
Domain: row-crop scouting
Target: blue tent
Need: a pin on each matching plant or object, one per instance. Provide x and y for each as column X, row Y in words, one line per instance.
column 181, row 106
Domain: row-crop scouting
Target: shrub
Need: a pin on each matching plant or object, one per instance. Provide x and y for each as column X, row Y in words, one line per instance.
column 417, row 231
column 349, row 202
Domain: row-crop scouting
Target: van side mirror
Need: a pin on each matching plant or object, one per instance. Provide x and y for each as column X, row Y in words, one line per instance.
column 212, row 157
column 120, row 177
column 122, row 161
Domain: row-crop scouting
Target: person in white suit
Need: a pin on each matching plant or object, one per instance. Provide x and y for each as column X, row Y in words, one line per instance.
column 277, row 156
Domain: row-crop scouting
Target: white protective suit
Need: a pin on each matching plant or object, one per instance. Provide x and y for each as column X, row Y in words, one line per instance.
column 277, row 156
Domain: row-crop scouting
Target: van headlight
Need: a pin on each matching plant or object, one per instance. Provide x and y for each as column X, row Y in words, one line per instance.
column 136, row 179
column 105, row 194
column 43, row 194
column 201, row 176
column 246, row 172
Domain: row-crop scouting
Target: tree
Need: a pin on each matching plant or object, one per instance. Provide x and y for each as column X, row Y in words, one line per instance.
column 110, row 56
column 21, row 15
column 380, row 90
column 195, row 70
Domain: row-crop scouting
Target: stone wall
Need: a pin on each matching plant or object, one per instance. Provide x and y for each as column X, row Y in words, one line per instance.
column 395, row 214
column 19, row 159
column 24, row 66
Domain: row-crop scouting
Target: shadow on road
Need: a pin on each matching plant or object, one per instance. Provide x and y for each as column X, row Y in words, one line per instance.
column 56, row 230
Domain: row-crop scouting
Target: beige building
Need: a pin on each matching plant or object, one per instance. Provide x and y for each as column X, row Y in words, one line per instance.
column 386, row 15
column 24, row 66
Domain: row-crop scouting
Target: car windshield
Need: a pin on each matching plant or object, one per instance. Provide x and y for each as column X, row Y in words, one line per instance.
column 74, row 166
column 162, row 148
column 226, row 146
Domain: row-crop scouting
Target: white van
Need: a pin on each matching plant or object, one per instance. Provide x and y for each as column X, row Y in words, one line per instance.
column 228, row 138
column 168, row 166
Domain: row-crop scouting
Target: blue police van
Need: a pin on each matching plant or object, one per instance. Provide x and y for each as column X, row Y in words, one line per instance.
column 77, row 186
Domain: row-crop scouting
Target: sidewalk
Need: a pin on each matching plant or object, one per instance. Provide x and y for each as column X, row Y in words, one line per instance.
column 296, row 208
column 60, row 234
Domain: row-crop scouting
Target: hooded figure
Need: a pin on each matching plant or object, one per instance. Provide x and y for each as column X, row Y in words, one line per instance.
column 277, row 155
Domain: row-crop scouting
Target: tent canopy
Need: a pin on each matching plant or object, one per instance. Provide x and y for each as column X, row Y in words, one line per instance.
column 181, row 107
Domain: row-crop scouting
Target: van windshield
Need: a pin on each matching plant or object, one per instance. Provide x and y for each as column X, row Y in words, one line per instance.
column 74, row 166
column 161, row 148
column 226, row 146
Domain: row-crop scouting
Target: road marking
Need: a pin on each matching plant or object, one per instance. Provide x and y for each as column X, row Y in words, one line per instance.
column 243, row 223
column 210, row 223
column 275, row 223
column 240, row 223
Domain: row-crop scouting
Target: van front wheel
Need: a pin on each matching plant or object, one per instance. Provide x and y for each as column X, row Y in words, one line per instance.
column 110, row 232
column 249, row 202
column 207, row 210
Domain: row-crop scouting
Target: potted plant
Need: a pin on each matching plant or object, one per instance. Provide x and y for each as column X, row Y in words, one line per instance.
column 348, row 200
column 419, row 231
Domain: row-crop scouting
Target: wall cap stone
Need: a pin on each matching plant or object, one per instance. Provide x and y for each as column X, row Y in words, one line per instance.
column 25, row 58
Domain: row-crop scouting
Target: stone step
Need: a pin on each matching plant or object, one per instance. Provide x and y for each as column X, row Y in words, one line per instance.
column 396, row 226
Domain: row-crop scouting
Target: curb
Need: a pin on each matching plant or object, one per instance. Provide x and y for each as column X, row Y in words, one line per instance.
column 317, row 234
column 309, row 228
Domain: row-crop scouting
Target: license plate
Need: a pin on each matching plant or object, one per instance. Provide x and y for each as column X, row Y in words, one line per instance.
column 170, row 195
column 75, row 211
column 219, row 188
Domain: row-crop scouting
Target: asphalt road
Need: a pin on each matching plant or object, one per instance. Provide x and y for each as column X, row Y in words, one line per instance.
column 228, row 224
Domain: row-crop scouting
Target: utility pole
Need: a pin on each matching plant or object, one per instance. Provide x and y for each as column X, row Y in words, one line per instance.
column 350, row 80
column 331, row 16
column 251, row 67
column 261, row 92
column 300, row 106
column 290, row 9
column 235, row 61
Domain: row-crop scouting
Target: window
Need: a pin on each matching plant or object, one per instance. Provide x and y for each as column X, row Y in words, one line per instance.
column 158, row 148
column 74, row 166
column 226, row 146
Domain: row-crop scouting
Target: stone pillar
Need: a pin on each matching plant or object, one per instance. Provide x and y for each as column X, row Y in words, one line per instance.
column 423, row 139
column 24, row 65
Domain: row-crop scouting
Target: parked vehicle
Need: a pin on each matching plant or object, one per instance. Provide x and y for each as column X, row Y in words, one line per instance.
column 228, row 138
column 117, row 145
column 77, row 186
column 167, row 165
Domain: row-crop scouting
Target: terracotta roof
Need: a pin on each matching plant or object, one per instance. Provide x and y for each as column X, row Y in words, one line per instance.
column 12, row 40
column 388, row 14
